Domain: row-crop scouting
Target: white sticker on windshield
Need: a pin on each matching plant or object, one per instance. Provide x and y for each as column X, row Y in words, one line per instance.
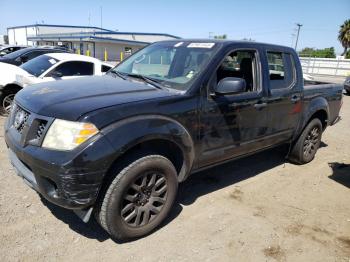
column 52, row 61
column 201, row 45
column 178, row 44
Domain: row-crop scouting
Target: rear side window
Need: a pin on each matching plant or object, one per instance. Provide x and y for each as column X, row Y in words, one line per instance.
column 75, row 68
column 281, row 70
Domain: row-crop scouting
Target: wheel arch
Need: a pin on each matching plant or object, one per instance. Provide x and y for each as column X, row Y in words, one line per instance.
column 11, row 86
column 318, row 108
column 152, row 134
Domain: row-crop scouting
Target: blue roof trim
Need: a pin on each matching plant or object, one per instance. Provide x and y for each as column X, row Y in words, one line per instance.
column 66, row 26
column 43, row 38
column 120, row 40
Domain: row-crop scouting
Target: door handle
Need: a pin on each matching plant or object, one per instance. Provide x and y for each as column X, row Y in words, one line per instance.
column 295, row 99
column 260, row 106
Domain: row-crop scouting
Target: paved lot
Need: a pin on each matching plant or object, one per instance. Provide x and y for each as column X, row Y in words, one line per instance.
column 260, row 208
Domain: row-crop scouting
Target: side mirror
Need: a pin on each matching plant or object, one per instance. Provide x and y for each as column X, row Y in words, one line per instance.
column 230, row 85
column 56, row 74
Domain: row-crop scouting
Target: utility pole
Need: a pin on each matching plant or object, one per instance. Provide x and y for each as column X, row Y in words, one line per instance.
column 292, row 36
column 101, row 15
column 296, row 42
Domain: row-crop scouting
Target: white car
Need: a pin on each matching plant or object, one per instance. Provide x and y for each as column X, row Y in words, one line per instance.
column 44, row 68
column 308, row 77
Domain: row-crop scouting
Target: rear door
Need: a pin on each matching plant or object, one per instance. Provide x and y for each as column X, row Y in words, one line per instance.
column 284, row 100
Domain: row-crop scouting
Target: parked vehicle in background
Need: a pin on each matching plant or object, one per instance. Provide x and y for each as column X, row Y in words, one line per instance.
column 24, row 55
column 118, row 145
column 308, row 77
column 45, row 68
column 347, row 85
column 7, row 49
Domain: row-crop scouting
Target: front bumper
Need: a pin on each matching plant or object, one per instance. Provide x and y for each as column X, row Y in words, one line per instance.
column 69, row 179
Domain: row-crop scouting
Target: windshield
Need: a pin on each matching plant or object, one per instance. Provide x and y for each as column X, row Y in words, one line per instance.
column 39, row 65
column 172, row 64
column 16, row 54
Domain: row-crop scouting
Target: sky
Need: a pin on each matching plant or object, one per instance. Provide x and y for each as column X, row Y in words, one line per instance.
column 270, row 21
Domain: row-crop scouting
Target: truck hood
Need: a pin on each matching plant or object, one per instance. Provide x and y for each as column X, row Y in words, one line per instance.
column 70, row 99
column 9, row 73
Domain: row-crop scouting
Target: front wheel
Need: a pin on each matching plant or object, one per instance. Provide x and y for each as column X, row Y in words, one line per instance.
column 308, row 143
column 6, row 100
column 139, row 198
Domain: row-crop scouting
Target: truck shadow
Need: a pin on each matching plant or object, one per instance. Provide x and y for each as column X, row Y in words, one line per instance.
column 90, row 230
column 341, row 173
column 228, row 174
column 195, row 186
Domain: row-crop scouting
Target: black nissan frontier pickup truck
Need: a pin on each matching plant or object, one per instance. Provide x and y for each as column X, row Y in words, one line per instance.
column 117, row 146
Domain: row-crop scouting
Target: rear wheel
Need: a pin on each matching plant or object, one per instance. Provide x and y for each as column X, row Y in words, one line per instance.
column 308, row 143
column 139, row 198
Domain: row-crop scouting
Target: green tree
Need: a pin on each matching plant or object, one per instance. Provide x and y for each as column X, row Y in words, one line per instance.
column 224, row 36
column 347, row 54
column 321, row 53
column 344, row 36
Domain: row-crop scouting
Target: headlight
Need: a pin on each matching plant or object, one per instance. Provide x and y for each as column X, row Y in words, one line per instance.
column 67, row 135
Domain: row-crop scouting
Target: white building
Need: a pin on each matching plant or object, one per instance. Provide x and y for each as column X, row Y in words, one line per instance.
column 93, row 41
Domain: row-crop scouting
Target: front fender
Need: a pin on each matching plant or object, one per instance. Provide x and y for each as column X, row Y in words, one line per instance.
column 129, row 132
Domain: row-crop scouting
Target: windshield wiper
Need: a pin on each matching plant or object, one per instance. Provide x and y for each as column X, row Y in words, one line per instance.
column 118, row 74
column 151, row 81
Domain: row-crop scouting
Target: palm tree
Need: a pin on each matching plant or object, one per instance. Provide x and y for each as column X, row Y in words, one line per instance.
column 344, row 35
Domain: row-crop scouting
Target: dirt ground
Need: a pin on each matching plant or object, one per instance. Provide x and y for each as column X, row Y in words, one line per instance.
column 260, row 208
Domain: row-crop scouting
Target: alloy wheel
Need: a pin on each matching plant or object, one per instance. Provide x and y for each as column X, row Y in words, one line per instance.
column 311, row 141
column 7, row 103
column 144, row 199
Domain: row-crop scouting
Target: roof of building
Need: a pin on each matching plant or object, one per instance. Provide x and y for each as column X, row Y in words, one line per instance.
column 65, row 26
column 105, row 31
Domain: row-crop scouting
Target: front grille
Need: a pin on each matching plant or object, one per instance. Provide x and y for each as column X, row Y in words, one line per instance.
column 29, row 128
column 20, row 118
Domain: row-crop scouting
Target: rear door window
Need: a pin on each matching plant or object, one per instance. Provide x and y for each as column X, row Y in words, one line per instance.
column 281, row 70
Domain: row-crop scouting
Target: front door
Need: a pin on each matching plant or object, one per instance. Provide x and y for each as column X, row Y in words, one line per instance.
column 233, row 125
column 69, row 70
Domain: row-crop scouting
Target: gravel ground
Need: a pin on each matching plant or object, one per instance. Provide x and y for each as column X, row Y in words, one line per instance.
column 260, row 208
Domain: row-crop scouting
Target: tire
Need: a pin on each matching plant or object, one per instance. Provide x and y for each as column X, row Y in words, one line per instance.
column 347, row 91
column 305, row 148
column 6, row 99
column 139, row 198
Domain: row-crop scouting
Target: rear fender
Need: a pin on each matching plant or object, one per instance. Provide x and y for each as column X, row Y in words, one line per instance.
column 315, row 105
